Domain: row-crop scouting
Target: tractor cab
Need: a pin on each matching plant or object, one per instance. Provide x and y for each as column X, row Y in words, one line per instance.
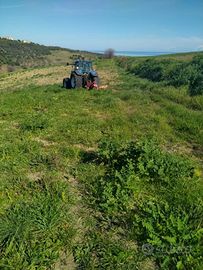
column 83, row 66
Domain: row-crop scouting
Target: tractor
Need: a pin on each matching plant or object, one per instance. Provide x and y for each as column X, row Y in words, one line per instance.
column 82, row 76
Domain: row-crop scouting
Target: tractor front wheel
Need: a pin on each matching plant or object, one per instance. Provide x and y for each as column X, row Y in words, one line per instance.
column 66, row 83
column 76, row 81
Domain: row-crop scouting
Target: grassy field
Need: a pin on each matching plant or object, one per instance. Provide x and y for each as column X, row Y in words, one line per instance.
column 89, row 177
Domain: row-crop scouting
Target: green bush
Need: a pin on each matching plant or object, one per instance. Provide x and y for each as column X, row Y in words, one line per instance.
column 196, row 84
column 173, row 72
column 155, row 195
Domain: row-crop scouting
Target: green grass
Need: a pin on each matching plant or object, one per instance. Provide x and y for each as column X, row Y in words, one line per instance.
column 52, row 175
column 35, row 226
column 142, row 195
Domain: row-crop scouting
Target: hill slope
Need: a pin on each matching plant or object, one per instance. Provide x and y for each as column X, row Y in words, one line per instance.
column 16, row 55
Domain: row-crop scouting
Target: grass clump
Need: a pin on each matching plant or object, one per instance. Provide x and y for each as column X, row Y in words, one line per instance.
column 35, row 227
column 35, row 122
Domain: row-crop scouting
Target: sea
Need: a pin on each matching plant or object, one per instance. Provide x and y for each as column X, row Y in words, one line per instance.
column 134, row 53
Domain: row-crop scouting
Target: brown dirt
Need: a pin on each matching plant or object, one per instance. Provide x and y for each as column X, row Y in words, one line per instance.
column 46, row 143
column 66, row 262
column 35, row 176
column 88, row 149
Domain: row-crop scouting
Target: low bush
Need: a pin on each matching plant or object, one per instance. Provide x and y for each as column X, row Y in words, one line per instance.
column 153, row 195
column 173, row 72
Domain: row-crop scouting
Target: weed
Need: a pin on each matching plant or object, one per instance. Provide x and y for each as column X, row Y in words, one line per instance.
column 151, row 194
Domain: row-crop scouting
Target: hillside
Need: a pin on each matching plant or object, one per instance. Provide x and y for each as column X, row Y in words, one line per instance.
column 17, row 55
column 101, row 179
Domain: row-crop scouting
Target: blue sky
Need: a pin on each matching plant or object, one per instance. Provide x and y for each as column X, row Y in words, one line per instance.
column 124, row 25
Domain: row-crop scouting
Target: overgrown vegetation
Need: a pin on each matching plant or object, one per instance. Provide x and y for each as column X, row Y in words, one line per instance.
column 155, row 198
column 173, row 72
column 112, row 176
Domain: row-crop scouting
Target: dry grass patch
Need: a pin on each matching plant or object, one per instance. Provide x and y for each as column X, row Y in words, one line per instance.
column 46, row 143
column 49, row 76
column 35, row 176
column 43, row 76
column 107, row 76
column 66, row 262
column 82, row 146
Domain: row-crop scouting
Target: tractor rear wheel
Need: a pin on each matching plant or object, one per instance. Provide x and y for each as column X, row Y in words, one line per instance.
column 96, row 80
column 66, row 83
column 76, row 81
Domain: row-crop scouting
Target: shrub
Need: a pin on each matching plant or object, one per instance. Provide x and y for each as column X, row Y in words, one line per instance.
column 172, row 72
column 108, row 54
column 155, row 195
column 196, row 84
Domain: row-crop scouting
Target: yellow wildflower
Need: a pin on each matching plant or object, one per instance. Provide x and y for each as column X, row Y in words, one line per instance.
column 197, row 173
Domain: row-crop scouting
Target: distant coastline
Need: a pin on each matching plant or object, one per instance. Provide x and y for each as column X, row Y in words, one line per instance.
column 135, row 53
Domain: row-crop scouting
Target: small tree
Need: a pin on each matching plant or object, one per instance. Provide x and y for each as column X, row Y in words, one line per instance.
column 109, row 53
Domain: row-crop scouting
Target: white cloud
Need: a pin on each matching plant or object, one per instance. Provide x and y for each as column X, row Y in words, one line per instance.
column 176, row 44
column 199, row 48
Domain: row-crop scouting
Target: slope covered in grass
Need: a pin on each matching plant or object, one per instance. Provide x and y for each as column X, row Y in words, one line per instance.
column 92, row 176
